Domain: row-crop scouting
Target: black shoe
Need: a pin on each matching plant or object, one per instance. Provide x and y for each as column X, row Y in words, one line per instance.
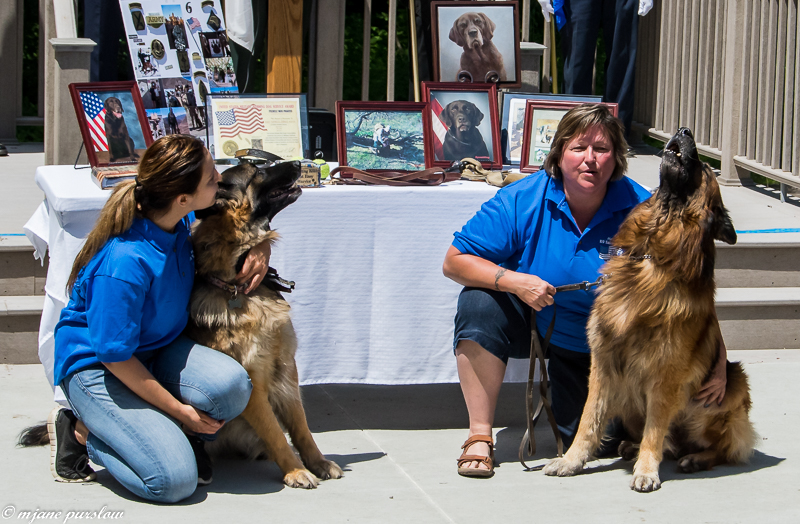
column 203, row 460
column 69, row 460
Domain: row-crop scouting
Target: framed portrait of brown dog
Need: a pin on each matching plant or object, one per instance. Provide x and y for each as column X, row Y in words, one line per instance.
column 476, row 42
column 541, row 121
column 464, row 122
column 112, row 121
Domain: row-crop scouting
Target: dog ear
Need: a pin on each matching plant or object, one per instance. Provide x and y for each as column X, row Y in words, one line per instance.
column 456, row 35
column 489, row 27
column 478, row 118
column 722, row 225
column 445, row 115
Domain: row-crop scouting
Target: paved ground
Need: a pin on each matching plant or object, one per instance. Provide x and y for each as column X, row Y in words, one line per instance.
column 398, row 446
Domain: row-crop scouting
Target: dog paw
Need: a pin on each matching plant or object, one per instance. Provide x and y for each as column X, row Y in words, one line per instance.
column 326, row 469
column 628, row 450
column 561, row 467
column 691, row 464
column 301, row 478
column 645, row 483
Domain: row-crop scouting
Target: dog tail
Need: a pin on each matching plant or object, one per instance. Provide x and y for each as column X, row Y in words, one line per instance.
column 34, row 436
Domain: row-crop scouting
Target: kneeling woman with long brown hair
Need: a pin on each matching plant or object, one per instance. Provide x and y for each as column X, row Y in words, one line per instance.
column 143, row 396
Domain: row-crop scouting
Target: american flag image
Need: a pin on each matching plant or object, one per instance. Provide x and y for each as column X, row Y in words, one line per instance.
column 95, row 118
column 193, row 22
column 439, row 129
column 240, row 120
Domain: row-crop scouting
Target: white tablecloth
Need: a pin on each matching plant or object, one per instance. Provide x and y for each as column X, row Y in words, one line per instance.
column 371, row 304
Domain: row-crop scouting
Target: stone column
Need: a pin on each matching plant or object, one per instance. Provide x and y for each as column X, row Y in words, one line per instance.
column 72, row 60
column 11, row 64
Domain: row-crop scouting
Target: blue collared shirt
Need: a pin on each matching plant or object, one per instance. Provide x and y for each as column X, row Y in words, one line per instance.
column 132, row 296
column 528, row 227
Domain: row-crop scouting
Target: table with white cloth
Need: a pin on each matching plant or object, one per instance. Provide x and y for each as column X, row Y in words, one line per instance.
column 371, row 304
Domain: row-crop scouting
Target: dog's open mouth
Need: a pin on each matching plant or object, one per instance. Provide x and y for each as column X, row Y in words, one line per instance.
column 288, row 191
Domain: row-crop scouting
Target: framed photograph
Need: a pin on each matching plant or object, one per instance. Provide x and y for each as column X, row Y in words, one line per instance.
column 512, row 120
column 276, row 123
column 476, row 42
column 112, row 120
column 541, row 121
column 383, row 136
column 464, row 122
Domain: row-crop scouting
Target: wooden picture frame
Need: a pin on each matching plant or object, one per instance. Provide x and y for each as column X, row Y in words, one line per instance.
column 403, row 143
column 541, row 121
column 115, row 139
column 478, row 137
column 512, row 119
column 455, row 57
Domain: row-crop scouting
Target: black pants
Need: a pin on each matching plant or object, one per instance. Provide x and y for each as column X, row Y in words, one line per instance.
column 501, row 324
column 620, row 23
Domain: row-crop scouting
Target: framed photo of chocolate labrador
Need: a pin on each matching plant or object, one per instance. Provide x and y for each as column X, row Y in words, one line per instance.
column 541, row 121
column 464, row 122
column 476, row 42
column 383, row 136
column 113, row 122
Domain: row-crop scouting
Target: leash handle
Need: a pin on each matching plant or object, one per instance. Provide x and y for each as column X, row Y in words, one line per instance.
column 528, row 442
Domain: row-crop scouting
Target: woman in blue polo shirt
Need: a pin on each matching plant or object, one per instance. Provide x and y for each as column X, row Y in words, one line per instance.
column 549, row 229
column 142, row 395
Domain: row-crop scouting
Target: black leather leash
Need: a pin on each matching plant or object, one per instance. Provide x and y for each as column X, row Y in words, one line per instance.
column 538, row 351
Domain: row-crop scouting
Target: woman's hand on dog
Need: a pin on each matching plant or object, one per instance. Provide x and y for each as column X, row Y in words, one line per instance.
column 713, row 390
column 255, row 266
column 197, row 421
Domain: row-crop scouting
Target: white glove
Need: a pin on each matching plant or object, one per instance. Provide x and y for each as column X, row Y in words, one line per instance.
column 644, row 6
column 547, row 8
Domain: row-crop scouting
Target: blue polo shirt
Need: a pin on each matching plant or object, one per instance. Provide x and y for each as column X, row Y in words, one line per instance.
column 132, row 296
column 528, row 227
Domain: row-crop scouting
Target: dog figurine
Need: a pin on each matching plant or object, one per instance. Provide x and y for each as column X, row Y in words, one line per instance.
column 120, row 143
column 254, row 329
column 655, row 337
column 463, row 139
column 473, row 32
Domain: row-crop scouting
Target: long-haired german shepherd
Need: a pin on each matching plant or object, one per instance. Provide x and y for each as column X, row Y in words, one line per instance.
column 654, row 334
column 254, row 329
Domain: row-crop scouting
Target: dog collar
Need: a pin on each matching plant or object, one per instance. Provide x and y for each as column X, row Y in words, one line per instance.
column 457, row 140
column 233, row 289
column 271, row 280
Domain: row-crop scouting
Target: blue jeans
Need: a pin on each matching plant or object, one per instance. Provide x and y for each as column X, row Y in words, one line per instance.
column 141, row 446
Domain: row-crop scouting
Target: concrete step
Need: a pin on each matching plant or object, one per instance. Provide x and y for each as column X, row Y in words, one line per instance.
column 19, row 329
column 758, row 264
column 20, row 273
column 759, row 317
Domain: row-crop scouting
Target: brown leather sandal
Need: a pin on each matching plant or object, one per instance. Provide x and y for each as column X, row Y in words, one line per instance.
column 465, row 459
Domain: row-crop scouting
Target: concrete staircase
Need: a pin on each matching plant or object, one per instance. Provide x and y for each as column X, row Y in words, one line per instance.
column 758, row 293
column 21, row 300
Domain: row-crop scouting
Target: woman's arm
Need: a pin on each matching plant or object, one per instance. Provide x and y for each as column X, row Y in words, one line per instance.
column 469, row 270
column 133, row 374
column 255, row 266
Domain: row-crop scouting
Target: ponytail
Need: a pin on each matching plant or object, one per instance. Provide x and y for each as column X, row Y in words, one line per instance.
column 171, row 166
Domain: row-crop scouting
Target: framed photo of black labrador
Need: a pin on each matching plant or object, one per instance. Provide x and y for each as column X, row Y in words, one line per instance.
column 464, row 122
column 383, row 136
column 541, row 121
column 113, row 122
column 476, row 42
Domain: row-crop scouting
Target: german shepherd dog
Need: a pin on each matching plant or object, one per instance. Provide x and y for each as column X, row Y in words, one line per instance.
column 654, row 333
column 254, row 329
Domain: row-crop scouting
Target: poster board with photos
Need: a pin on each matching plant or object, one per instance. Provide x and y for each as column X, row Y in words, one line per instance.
column 541, row 122
column 512, row 121
column 180, row 54
column 275, row 122
column 112, row 121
